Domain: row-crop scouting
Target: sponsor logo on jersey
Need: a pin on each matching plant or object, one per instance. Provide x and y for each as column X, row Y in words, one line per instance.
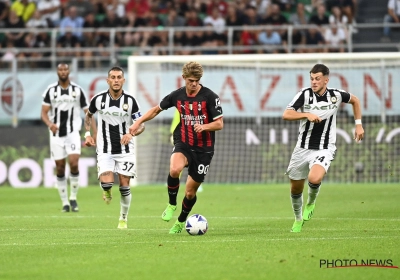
column 326, row 107
column 64, row 101
column 115, row 114
column 103, row 105
column 192, row 120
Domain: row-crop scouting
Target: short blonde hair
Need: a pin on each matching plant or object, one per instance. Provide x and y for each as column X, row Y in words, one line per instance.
column 192, row 69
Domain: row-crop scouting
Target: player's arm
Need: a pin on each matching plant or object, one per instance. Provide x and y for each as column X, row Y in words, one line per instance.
column 150, row 114
column 216, row 125
column 92, row 126
column 128, row 137
column 359, row 131
column 89, row 140
column 292, row 115
column 140, row 129
column 45, row 118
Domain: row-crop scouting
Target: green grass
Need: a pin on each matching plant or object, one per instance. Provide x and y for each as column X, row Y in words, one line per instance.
column 249, row 235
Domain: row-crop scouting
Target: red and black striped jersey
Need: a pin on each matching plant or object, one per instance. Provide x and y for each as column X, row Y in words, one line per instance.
column 203, row 108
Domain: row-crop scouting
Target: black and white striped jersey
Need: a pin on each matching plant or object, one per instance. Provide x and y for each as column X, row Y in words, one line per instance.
column 113, row 120
column 66, row 105
column 318, row 136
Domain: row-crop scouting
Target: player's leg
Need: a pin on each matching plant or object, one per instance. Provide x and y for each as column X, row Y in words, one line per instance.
column 197, row 171
column 315, row 176
column 59, row 155
column 73, row 149
column 62, row 184
column 105, row 168
column 318, row 168
column 178, row 161
column 125, row 201
column 189, row 200
column 297, row 172
column 296, row 195
column 73, row 160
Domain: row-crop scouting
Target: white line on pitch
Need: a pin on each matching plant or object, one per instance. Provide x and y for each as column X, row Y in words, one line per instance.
column 208, row 217
column 264, row 229
column 202, row 241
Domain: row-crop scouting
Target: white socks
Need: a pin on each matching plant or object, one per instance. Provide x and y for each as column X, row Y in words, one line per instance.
column 74, row 185
column 297, row 204
column 125, row 201
column 313, row 190
column 62, row 190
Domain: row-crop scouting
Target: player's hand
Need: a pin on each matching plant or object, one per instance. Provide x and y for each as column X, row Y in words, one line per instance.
column 198, row 128
column 126, row 139
column 359, row 133
column 133, row 128
column 313, row 118
column 53, row 128
column 89, row 141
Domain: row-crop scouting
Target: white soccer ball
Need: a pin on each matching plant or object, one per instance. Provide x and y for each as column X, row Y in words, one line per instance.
column 196, row 225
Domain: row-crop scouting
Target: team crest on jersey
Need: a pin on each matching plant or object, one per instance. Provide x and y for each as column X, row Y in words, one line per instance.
column 125, row 107
column 333, row 99
column 73, row 94
column 199, row 107
column 191, row 106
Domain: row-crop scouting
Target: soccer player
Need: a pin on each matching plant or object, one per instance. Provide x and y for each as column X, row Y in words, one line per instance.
column 316, row 108
column 61, row 112
column 116, row 109
column 194, row 138
column 175, row 121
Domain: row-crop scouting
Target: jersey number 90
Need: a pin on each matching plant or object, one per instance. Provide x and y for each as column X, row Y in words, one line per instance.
column 201, row 169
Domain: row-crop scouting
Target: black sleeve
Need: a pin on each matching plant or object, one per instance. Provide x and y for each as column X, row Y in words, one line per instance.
column 135, row 110
column 167, row 101
column 345, row 96
column 83, row 100
column 214, row 106
column 297, row 102
column 92, row 106
column 46, row 98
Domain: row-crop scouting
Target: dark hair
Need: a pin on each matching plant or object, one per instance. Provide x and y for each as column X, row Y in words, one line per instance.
column 62, row 63
column 116, row 68
column 320, row 68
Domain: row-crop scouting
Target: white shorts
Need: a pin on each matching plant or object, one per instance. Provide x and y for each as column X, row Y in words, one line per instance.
column 303, row 159
column 61, row 147
column 121, row 163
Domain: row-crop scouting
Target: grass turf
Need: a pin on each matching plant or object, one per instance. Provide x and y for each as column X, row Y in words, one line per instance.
column 249, row 235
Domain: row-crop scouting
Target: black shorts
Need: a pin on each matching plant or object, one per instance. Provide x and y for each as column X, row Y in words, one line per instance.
column 198, row 162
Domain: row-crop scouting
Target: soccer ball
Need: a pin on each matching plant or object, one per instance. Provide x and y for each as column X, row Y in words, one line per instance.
column 196, row 225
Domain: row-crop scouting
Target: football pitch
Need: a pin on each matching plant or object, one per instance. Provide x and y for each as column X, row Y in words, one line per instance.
column 248, row 238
